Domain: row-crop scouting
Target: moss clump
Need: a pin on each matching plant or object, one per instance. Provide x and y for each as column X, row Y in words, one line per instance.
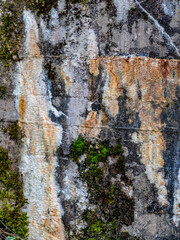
column 113, row 207
column 6, row 51
column 78, row 148
column 80, row 1
column 14, row 131
column 11, row 198
column 41, row 6
column 2, row 91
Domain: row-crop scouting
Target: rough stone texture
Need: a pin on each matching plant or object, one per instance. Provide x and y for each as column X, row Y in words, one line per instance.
column 96, row 70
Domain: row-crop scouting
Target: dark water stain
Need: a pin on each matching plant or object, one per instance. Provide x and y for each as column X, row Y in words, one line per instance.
column 170, row 117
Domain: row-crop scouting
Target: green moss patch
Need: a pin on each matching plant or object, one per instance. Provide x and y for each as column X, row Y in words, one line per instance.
column 103, row 170
column 41, row 6
column 2, row 91
column 10, row 29
column 14, row 131
column 80, row 1
column 11, row 198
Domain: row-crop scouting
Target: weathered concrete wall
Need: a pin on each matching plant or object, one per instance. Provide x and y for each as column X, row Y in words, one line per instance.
column 108, row 71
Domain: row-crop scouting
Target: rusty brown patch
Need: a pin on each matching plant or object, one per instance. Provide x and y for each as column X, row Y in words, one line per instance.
column 22, row 107
column 165, row 68
column 94, row 67
column 92, row 125
column 150, row 85
column 66, row 79
column 39, row 144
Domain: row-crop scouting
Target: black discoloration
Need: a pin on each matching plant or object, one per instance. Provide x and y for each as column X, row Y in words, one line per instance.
column 170, row 117
column 156, row 10
column 124, row 130
column 96, row 106
column 51, row 71
column 171, row 237
column 112, row 207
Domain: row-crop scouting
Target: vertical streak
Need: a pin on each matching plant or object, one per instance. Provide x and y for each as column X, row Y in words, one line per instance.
column 176, row 173
column 41, row 139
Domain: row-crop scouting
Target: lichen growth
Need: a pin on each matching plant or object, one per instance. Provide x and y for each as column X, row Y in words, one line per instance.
column 80, row 1
column 41, row 6
column 14, row 131
column 11, row 198
column 10, row 30
column 103, row 170
column 2, row 91
column 11, row 25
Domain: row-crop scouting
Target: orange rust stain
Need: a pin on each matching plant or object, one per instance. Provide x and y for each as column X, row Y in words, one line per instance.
column 32, row 223
column 33, row 47
column 140, row 74
column 92, row 120
column 178, row 70
column 104, row 119
column 147, row 158
column 159, row 180
column 114, row 79
column 34, row 90
column 165, row 70
column 41, row 139
column 94, row 67
column 67, row 79
column 92, row 125
column 147, row 85
column 22, row 107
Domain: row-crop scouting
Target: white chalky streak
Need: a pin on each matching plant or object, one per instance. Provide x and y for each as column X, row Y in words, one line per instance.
column 41, row 139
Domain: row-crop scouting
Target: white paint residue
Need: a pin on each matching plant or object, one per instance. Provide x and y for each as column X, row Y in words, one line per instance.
column 110, row 91
column 152, row 158
column 123, row 6
column 55, row 33
column 176, row 207
column 92, row 45
column 75, row 189
column 169, row 7
column 107, row 96
column 42, row 137
column 61, row 5
column 160, row 28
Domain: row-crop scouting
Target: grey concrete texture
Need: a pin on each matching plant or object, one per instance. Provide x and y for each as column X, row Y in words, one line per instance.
column 105, row 70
